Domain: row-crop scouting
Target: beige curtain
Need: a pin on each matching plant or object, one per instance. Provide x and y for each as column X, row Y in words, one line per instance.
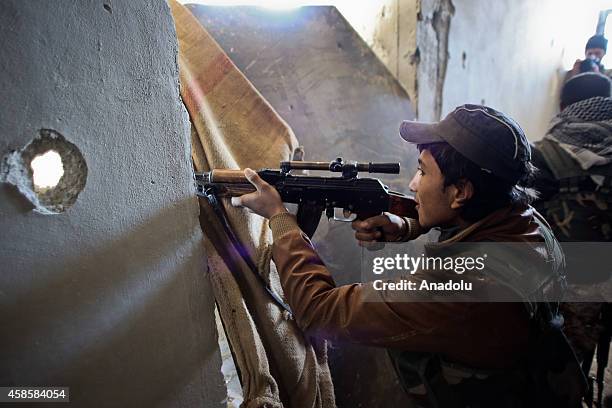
column 234, row 127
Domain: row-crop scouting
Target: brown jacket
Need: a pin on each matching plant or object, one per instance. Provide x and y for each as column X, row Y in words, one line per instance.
column 484, row 335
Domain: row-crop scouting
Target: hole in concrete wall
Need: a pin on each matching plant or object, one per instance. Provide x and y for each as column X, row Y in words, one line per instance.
column 50, row 172
column 107, row 7
column 47, row 170
column 463, row 59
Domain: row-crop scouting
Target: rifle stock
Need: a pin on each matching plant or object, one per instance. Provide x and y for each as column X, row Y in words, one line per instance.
column 401, row 204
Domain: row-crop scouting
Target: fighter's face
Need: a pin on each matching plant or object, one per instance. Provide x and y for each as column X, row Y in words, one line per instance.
column 434, row 200
column 596, row 53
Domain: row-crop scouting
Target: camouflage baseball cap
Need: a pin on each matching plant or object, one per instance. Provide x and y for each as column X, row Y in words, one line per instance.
column 487, row 137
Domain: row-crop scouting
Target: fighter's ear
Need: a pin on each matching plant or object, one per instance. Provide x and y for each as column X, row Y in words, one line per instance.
column 463, row 191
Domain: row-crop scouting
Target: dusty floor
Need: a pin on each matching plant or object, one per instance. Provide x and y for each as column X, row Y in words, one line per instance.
column 230, row 375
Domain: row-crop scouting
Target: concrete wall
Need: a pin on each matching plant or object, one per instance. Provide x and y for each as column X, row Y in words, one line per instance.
column 389, row 28
column 520, row 59
column 109, row 297
column 509, row 54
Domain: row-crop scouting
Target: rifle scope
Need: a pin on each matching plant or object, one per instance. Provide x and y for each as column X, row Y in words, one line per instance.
column 347, row 169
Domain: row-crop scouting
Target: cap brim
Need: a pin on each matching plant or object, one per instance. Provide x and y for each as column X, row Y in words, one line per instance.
column 419, row 132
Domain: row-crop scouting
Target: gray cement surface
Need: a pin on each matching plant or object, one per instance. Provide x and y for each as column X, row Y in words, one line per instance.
column 109, row 297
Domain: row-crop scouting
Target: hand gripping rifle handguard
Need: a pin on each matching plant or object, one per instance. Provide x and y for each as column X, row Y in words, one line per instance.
column 364, row 197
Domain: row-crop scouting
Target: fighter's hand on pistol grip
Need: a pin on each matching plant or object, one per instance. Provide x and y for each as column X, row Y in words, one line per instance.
column 386, row 227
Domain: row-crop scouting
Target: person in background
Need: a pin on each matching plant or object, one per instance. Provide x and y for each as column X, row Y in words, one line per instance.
column 594, row 52
column 575, row 181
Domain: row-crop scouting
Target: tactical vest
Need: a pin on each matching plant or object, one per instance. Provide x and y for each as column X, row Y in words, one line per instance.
column 435, row 382
column 581, row 210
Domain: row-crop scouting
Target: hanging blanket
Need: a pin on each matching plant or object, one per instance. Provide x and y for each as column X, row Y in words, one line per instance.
column 234, row 127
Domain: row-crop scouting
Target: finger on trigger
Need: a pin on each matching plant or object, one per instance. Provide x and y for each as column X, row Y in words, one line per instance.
column 357, row 225
column 362, row 236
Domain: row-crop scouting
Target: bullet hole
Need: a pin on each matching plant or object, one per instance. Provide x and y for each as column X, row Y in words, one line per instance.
column 339, row 45
column 463, row 59
column 107, row 7
column 49, row 171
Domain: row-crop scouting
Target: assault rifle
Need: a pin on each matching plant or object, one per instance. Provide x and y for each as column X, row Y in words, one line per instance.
column 363, row 197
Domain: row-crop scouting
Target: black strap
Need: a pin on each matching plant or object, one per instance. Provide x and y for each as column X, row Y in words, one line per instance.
column 219, row 211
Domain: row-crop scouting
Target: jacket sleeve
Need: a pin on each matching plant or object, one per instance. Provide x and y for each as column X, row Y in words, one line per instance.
column 356, row 313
